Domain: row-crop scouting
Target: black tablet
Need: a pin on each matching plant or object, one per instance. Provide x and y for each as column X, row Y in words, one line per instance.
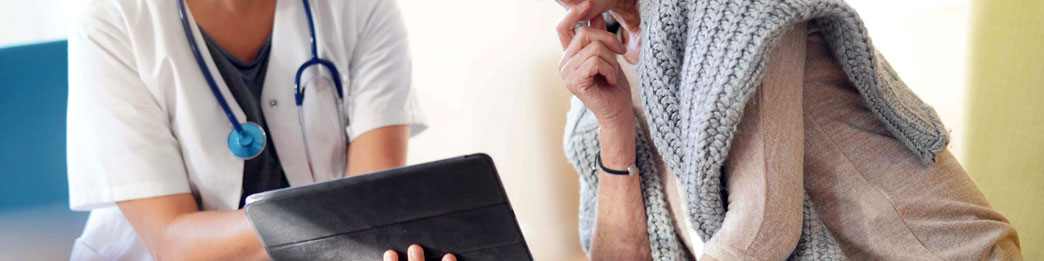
column 456, row 205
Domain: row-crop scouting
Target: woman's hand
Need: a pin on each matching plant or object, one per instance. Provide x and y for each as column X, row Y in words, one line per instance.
column 625, row 11
column 414, row 253
column 591, row 72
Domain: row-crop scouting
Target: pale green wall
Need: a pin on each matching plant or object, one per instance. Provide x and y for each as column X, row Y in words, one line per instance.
column 1005, row 127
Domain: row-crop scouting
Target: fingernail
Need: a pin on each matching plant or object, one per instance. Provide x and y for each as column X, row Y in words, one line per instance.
column 415, row 252
column 449, row 257
column 391, row 255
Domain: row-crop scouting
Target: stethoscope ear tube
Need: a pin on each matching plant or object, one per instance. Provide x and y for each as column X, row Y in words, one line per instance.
column 299, row 91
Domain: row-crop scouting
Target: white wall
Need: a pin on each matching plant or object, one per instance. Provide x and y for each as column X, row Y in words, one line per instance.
column 486, row 75
column 926, row 41
column 26, row 21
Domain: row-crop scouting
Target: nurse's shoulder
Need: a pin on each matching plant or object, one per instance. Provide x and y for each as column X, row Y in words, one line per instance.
column 119, row 141
column 119, row 17
column 358, row 18
column 145, row 37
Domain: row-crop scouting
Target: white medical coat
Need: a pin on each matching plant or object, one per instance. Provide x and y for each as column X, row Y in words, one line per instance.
column 142, row 121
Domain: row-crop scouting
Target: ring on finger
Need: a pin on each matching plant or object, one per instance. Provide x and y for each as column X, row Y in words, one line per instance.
column 581, row 24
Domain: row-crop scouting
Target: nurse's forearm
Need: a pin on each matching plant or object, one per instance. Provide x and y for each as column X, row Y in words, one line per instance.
column 378, row 149
column 213, row 235
column 620, row 228
column 172, row 228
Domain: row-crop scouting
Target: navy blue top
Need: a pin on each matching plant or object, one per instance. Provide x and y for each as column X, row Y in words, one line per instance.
column 245, row 81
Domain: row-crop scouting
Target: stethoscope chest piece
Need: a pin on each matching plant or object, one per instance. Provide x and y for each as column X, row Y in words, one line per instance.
column 249, row 142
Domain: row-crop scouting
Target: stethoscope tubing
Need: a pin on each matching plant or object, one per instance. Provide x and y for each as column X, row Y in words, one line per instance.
column 206, row 72
column 298, row 90
column 298, row 93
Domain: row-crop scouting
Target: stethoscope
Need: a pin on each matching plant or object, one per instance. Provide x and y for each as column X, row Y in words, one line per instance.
column 248, row 139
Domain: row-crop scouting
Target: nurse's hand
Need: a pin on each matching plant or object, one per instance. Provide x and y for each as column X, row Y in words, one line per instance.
column 590, row 70
column 414, row 253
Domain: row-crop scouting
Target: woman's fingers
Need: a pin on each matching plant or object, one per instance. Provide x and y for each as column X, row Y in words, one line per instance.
column 593, row 50
column 595, row 65
column 415, row 253
column 602, row 65
column 598, row 22
column 601, row 51
column 588, row 35
column 574, row 14
column 580, row 10
column 570, row 63
column 591, row 41
column 391, row 255
column 582, row 80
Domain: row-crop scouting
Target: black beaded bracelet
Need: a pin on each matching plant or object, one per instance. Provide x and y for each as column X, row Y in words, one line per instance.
column 598, row 158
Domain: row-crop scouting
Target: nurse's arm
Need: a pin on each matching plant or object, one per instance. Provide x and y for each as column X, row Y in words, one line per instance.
column 173, row 228
column 378, row 149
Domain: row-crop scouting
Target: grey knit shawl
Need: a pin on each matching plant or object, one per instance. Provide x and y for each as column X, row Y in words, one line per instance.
column 700, row 61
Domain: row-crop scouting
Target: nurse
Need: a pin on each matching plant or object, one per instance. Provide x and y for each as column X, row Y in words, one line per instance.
column 180, row 110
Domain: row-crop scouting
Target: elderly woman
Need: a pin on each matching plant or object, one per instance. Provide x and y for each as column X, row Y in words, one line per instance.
column 750, row 113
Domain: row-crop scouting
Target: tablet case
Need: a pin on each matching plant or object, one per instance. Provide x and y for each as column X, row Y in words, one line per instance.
column 456, row 205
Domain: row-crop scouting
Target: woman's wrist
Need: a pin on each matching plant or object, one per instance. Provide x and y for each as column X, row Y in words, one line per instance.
column 618, row 120
column 617, row 139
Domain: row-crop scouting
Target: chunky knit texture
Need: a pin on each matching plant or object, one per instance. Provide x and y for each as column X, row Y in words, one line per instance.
column 700, row 62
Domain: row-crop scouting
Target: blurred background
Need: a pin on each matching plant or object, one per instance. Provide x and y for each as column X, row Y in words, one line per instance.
column 486, row 74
